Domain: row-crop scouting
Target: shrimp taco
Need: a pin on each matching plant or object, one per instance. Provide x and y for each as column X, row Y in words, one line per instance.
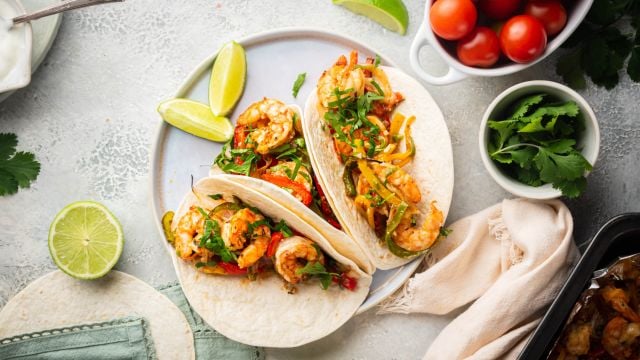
column 269, row 151
column 256, row 272
column 391, row 193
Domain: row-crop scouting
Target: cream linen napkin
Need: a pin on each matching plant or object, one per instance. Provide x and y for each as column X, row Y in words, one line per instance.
column 512, row 259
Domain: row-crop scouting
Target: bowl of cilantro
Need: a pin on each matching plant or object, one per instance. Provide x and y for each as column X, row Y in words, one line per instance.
column 539, row 140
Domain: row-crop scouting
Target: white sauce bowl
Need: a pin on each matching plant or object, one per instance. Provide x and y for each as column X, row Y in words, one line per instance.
column 15, row 49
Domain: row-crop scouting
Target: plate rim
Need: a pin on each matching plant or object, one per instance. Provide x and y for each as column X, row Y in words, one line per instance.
column 404, row 272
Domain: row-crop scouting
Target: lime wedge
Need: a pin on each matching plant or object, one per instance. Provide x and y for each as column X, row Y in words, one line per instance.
column 85, row 240
column 391, row 14
column 227, row 78
column 196, row 119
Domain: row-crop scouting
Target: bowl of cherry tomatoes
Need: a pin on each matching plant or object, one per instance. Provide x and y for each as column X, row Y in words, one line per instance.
column 493, row 37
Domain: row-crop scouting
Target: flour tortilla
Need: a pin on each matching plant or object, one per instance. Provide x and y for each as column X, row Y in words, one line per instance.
column 261, row 312
column 57, row 300
column 432, row 166
column 338, row 239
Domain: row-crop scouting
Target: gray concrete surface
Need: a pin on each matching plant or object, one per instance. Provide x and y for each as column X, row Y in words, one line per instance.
column 89, row 116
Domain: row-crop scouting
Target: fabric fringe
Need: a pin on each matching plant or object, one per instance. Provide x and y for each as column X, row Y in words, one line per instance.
column 511, row 254
column 398, row 302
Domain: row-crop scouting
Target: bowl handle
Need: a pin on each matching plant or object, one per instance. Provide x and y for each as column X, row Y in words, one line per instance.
column 420, row 41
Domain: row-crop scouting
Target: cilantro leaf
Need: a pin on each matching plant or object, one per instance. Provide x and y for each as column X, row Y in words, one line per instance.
column 8, row 143
column 17, row 169
column 377, row 61
column 523, row 106
column 537, row 145
column 569, row 68
column 317, row 269
column 298, row 84
column 633, row 67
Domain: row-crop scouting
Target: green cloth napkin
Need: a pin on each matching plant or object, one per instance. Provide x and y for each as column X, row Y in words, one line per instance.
column 120, row 339
column 209, row 344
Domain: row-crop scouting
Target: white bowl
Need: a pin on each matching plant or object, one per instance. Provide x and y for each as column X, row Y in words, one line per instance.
column 589, row 140
column 20, row 74
column 458, row 71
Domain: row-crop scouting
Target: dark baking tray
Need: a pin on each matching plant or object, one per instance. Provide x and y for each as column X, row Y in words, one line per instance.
column 620, row 236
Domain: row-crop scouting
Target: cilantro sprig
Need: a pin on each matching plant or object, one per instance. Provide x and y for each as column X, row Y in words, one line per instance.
column 600, row 49
column 17, row 169
column 536, row 144
column 317, row 269
column 212, row 239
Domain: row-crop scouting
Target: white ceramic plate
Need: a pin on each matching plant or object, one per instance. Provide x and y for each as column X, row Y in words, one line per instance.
column 274, row 59
column 44, row 33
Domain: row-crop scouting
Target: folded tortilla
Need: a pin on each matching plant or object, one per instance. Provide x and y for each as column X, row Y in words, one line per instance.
column 432, row 166
column 261, row 312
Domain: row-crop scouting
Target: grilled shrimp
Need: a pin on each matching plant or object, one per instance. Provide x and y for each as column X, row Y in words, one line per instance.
column 236, row 233
column 412, row 237
column 270, row 122
column 578, row 340
column 342, row 76
column 391, row 99
column 619, row 301
column 618, row 337
column 294, row 253
column 398, row 181
column 187, row 234
column 303, row 177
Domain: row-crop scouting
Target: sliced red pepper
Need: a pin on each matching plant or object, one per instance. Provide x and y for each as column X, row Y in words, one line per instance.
column 325, row 208
column 239, row 137
column 348, row 282
column 232, row 269
column 285, row 182
column 276, row 237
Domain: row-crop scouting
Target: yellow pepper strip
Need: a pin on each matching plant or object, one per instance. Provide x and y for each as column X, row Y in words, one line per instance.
column 375, row 183
column 376, row 121
column 396, row 124
column 363, row 203
column 359, row 150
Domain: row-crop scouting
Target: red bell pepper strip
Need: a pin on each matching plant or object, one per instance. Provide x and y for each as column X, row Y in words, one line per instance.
column 276, row 237
column 232, row 269
column 285, row 182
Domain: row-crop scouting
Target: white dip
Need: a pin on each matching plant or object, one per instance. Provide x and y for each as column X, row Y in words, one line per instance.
column 10, row 40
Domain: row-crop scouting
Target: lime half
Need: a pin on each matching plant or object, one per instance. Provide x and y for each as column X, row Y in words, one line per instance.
column 227, row 78
column 85, row 240
column 391, row 14
column 196, row 119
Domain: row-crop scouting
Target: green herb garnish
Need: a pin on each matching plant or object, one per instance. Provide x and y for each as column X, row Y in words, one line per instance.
column 599, row 49
column 237, row 161
column 376, row 62
column 537, row 144
column 17, row 169
column 283, row 228
column 212, row 240
column 298, row 84
column 215, row 196
column 317, row 269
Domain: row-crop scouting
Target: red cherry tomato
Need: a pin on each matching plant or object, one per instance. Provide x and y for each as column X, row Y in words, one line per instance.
column 523, row 38
column 453, row 19
column 551, row 14
column 480, row 48
column 499, row 9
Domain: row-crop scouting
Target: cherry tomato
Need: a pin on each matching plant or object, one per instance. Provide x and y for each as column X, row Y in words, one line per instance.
column 480, row 48
column 232, row 269
column 551, row 14
column 499, row 9
column 453, row 19
column 523, row 38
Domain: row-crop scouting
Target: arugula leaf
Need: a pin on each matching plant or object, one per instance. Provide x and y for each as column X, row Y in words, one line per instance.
column 17, row 169
column 298, row 84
